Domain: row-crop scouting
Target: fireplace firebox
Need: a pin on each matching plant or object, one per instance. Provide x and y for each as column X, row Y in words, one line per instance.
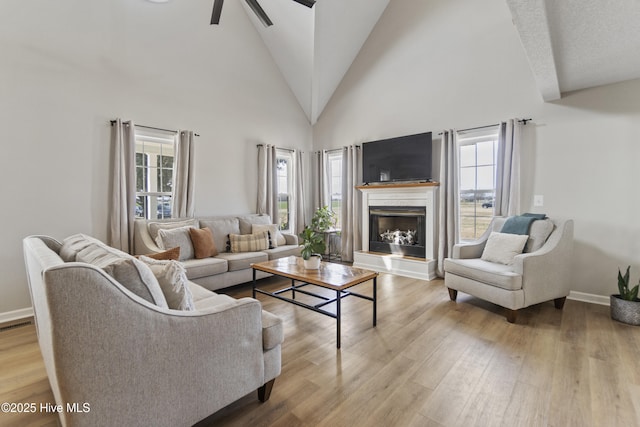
column 397, row 230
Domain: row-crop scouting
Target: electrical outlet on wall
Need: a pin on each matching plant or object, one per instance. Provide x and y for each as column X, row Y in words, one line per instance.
column 538, row 200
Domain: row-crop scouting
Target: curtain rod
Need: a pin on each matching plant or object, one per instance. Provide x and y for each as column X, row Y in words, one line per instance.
column 291, row 150
column 523, row 121
column 154, row 128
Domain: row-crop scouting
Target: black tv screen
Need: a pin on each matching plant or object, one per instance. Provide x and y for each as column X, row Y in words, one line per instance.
column 405, row 158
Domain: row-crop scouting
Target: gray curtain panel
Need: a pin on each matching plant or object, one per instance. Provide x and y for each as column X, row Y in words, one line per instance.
column 300, row 192
column 448, row 207
column 319, row 172
column 184, row 177
column 267, row 180
column 351, row 233
column 123, row 186
column 508, row 169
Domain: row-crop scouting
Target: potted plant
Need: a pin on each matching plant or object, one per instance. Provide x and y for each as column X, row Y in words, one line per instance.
column 323, row 219
column 625, row 307
column 312, row 247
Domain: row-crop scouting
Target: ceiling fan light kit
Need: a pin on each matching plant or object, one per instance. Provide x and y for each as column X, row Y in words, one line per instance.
column 254, row 5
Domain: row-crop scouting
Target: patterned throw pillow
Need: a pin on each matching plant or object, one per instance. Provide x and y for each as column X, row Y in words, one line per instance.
column 274, row 233
column 249, row 242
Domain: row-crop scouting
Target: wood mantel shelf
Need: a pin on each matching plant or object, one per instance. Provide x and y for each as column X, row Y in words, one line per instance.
column 397, row 185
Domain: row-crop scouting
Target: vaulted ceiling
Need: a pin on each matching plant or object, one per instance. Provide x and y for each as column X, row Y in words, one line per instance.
column 315, row 47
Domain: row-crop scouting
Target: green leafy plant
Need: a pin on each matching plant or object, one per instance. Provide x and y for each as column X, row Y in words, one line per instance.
column 312, row 243
column 623, row 287
column 323, row 219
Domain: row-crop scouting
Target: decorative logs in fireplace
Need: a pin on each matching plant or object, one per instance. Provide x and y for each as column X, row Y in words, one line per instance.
column 397, row 230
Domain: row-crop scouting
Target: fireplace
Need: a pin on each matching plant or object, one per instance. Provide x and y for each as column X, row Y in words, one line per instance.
column 397, row 230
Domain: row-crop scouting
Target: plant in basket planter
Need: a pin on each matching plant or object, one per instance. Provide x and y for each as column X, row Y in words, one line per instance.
column 312, row 247
column 625, row 307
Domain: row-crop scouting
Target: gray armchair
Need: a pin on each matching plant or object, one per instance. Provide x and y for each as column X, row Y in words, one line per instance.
column 541, row 273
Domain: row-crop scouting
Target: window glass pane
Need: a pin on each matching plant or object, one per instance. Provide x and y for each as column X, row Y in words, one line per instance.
column 284, row 185
column 467, row 155
column 283, row 211
column 485, row 153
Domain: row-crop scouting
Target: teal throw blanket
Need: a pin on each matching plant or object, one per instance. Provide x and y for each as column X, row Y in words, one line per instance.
column 520, row 224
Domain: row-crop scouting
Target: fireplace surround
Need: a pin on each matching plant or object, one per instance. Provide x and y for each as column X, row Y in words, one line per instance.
column 405, row 214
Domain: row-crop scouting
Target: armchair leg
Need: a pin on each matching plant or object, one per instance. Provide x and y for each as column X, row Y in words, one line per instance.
column 559, row 302
column 264, row 392
column 511, row 315
column 453, row 294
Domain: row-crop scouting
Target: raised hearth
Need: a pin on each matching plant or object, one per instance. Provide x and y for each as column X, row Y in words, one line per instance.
column 398, row 227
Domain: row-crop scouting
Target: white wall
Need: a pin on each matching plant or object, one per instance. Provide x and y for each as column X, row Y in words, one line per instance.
column 442, row 64
column 70, row 67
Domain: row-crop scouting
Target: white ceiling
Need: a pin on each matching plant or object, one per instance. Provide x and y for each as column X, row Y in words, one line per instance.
column 314, row 47
column 577, row 44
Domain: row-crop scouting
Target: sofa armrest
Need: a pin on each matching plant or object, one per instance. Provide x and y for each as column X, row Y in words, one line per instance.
column 468, row 250
column 143, row 243
column 115, row 350
column 546, row 273
column 291, row 239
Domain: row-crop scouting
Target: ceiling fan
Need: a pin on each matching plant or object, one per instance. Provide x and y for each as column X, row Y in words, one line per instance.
column 255, row 6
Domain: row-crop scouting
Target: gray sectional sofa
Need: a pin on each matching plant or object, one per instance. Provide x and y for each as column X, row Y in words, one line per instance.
column 113, row 344
column 227, row 268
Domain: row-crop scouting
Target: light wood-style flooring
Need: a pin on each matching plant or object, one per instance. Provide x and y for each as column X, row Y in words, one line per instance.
column 429, row 362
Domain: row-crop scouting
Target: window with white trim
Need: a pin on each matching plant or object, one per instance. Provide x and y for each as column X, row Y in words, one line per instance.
column 334, row 172
column 155, row 153
column 477, row 188
column 284, row 181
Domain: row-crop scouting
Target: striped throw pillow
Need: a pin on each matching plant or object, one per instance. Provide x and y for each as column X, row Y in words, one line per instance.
column 249, row 242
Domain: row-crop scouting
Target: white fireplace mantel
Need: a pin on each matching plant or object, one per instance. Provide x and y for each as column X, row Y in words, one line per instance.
column 411, row 195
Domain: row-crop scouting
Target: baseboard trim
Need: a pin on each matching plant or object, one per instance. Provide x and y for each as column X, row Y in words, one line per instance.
column 12, row 316
column 590, row 298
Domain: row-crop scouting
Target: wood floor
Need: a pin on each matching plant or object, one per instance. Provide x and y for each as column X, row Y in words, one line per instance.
column 429, row 362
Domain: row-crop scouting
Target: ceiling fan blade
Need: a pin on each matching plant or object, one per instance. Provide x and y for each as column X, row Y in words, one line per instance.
column 260, row 13
column 217, row 10
column 308, row 3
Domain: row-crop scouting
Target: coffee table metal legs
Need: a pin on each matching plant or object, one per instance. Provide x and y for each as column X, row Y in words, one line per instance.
column 338, row 299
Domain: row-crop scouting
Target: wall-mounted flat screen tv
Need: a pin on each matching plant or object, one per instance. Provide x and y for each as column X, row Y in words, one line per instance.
column 401, row 159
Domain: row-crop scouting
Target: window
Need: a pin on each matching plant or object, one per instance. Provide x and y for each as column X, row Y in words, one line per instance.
column 284, row 162
column 154, row 174
column 334, row 172
column 478, row 158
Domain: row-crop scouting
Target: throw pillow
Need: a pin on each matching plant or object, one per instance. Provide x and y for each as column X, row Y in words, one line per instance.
column 274, row 233
column 221, row 228
column 137, row 277
column 177, row 237
column 249, row 242
column 155, row 226
column 203, row 244
column 247, row 221
column 172, row 278
column 173, row 253
column 503, row 247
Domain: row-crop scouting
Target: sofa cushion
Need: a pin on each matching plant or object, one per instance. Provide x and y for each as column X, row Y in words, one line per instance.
column 539, row 232
column 246, row 222
column 277, row 239
column 494, row 274
column 249, row 242
column 240, row 261
column 503, row 247
column 197, row 268
column 171, row 276
column 203, row 244
column 155, row 226
column 137, row 277
column 204, row 298
column 272, row 330
column 221, row 228
column 174, row 237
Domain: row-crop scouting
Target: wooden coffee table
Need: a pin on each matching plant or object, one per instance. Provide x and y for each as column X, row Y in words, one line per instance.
column 336, row 277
